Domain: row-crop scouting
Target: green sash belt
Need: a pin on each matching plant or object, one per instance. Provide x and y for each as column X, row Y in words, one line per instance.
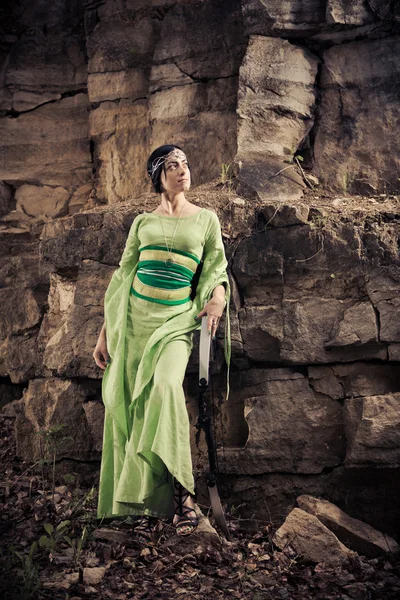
column 164, row 277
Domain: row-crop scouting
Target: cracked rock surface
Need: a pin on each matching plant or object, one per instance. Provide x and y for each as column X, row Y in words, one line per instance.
column 245, row 86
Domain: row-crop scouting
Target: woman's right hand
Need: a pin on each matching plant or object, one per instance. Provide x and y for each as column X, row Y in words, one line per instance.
column 100, row 354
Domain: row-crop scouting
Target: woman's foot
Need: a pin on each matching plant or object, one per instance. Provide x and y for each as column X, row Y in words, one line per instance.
column 144, row 532
column 185, row 519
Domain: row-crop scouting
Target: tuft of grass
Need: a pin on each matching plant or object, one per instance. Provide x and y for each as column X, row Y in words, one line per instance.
column 226, row 175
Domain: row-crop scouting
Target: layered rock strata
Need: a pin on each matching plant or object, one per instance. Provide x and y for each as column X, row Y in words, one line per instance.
column 245, row 87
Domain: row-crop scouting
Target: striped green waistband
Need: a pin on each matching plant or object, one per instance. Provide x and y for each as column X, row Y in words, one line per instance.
column 164, row 277
column 152, row 298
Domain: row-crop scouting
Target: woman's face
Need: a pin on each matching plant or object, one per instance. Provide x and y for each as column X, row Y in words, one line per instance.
column 175, row 177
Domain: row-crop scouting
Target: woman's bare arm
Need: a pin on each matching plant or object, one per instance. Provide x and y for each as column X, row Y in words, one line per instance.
column 100, row 354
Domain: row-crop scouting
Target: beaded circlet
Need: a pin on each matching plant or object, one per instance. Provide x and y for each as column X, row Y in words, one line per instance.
column 161, row 160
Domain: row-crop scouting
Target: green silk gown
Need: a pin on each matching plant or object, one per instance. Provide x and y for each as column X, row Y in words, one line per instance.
column 149, row 321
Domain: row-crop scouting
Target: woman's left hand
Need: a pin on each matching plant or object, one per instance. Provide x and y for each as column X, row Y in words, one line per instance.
column 213, row 309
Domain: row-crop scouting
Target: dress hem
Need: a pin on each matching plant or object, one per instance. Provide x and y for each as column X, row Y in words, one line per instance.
column 139, row 512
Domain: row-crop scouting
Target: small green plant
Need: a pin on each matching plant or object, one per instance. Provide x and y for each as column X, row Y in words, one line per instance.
column 54, row 535
column 225, row 177
column 23, row 569
column 346, row 182
column 50, row 440
column 69, row 478
column 77, row 546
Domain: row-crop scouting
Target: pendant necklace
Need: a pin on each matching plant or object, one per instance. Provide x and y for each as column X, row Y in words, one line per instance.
column 170, row 260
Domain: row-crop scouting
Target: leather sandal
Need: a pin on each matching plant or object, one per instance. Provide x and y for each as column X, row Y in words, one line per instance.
column 144, row 531
column 184, row 521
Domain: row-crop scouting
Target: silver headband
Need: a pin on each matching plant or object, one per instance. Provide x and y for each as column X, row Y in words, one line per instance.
column 161, row 160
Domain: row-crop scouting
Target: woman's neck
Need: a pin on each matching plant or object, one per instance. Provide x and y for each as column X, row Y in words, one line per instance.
column 172, row 205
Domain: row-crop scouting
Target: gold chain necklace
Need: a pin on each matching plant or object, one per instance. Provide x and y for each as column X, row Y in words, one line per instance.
column 170, row 260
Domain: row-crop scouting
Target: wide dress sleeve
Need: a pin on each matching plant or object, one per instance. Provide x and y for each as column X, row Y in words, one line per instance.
column 116, row 301
column 128, row 260
column 214, row 273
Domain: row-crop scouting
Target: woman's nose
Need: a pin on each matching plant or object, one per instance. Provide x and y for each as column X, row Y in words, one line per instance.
column 183, row 169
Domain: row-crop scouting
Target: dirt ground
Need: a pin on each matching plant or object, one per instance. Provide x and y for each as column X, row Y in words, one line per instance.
column 52, row 548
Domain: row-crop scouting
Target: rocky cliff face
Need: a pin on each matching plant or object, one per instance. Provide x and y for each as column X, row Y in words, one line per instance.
column 86, row 93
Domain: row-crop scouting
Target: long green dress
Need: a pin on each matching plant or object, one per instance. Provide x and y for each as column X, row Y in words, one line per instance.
column 149, row 320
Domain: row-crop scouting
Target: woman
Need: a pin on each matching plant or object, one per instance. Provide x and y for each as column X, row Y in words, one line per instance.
column 144, row 347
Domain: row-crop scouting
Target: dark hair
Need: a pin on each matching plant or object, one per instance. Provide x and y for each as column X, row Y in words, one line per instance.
column 158, row 153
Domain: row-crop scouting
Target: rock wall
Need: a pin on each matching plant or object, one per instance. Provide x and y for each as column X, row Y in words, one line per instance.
column 86, row 92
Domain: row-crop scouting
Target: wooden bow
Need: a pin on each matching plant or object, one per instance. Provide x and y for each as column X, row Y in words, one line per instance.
column 204, row 422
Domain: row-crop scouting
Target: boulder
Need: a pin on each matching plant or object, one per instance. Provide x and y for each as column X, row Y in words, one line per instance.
column 372, row 431
column 60, row 300
column 332, row 21
column 79, row 198
column 120, row 137
column 385, row 10
column 261, row 328
column 283, row 18
column 276, row 97
column 355, row 379
column 22, row 361
column 88, row 235
column 120, row 42
column 341, row 12
column 20, row 311
column 284, row 215
column 20, row 262
column 69, row 351
column 314, row 281
column 324, row 380
column 120, row 46
column 298, row 262
column 71, row 329
column 128, row 84
column 359, row 536
column 357, row 80
column 43, row 67
column 384, row 280
column 290, row 427
column 388, row 316
column 358, row 326
column 49, row 145
column 49, row 404
column 357, row 491
column 267, row 178
column 308, row 327
column 196, row 39
column 276, row 100
column 42, row 200
column 258, row 268
column 310, row 539
column 44, row 54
